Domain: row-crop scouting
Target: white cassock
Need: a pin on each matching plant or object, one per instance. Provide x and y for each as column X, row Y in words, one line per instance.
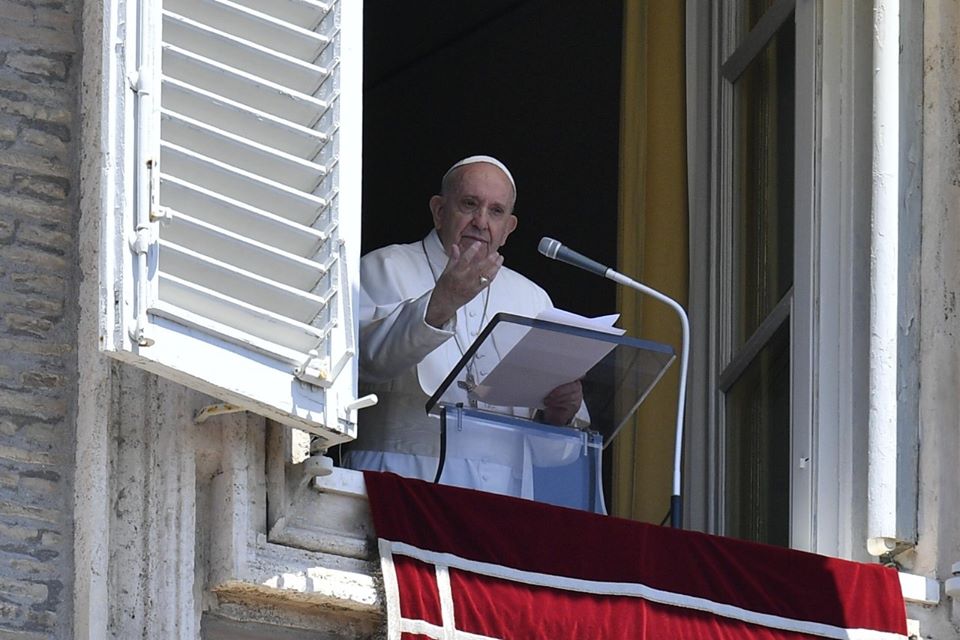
column 404, row 360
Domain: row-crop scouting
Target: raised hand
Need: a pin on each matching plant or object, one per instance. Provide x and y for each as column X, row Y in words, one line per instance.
column 465, row 275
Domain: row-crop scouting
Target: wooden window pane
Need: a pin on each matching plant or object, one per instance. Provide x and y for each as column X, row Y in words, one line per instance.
column 757, row 478
column 763, row 206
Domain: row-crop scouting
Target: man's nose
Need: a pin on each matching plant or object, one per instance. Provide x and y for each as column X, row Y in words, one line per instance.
column 481, row 218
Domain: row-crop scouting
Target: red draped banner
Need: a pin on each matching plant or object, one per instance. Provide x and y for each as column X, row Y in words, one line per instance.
column 461, row 564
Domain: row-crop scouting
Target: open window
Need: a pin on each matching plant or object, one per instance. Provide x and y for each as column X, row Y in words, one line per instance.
column 231, row 228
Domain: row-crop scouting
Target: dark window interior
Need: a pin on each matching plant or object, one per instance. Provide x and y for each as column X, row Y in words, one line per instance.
column 535, row 83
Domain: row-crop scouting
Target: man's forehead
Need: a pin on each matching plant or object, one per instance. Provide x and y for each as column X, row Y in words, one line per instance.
column 475, row 182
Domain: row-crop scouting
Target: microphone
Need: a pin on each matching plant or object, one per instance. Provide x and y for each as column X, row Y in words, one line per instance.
column 553, row 249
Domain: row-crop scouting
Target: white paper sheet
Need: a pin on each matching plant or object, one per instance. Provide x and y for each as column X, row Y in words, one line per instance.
column 543, row 360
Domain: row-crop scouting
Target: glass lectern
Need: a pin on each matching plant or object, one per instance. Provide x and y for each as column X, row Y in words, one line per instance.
column 490, row 405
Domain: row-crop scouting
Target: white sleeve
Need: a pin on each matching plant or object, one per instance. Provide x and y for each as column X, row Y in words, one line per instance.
column 394, row 335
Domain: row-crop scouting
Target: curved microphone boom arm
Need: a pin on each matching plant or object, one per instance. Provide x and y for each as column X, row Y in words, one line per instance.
column 555, row 250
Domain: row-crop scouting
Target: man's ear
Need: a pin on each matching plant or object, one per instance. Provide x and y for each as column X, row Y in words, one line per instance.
column 436, row 206
column 511, row 226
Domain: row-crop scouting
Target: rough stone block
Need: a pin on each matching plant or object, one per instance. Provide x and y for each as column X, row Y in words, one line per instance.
column 43, row 380
column 36, row 64
column 50, row 539
column 8, row 132
column 39, row 305
column 18, row 11
column 22, row 105
column 27, row 456
column 18, row 532
column 9, row 611
column 42, row 210
column 51, row 144
column 33, row 347
column 8, row 428
column 29, row 325
column 6, row 373
column 20, row 403
column 33, row 163
column 38, row 37
column 42, row 619
column 7, row 229
column 54, row 241
column 39, row 486
column 45, row 188
column 52, row 93
column 9, row 480
column 37, row 283
column 15, row 254
column 28, row 567
column 23, row 591
column 19, row 634
column 56, row 18
column 42, row 434
column 19, row 510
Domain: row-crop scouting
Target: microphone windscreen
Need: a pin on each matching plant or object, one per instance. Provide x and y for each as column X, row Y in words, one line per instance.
column 548, row 247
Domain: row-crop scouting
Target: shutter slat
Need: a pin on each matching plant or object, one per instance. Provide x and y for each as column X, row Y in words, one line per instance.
column 247, row 187
column 236, row 52
column 227, row 213
column 234, row 282
column 303, row 13
column 239, row 85
column 188, row 318
column 236, row 314
column 235, row 117
column 255, row 26
column 240, row 152
column 232, row 248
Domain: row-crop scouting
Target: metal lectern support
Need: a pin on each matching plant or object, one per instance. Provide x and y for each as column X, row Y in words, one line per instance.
column 556, row 251
column 443, row 439
column 676, row 503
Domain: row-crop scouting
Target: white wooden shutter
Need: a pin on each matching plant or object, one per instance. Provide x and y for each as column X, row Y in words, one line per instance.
column 243, row 230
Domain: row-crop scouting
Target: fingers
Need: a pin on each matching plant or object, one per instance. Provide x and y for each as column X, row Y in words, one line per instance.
column 565, row 394
column 562, row 404
column 467, row 273
column 464, row 270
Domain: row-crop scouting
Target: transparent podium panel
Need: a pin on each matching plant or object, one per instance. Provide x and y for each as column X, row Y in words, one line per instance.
column 512, row 456
column 490, row 407
column 516, row 361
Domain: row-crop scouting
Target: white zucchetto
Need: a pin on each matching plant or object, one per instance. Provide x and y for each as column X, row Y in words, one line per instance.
column 482, row 158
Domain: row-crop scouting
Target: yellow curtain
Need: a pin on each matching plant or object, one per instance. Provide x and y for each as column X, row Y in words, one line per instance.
column 652, row 239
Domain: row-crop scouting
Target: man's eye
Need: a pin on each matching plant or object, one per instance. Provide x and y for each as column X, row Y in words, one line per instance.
column 497, row 212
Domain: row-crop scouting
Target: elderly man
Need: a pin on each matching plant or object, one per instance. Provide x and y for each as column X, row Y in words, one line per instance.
column 421, row 306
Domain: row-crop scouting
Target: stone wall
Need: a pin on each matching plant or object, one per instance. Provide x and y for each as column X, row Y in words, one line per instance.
column 39, row 62
column 939, row 498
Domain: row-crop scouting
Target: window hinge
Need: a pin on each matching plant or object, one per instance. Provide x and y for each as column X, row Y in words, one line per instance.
column 141, row 240
column 163, row 215
column 138, row 80
column 140, row 245
column 315, row 369
column 157, row 213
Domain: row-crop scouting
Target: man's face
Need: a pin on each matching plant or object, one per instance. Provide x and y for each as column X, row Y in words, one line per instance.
column 477, row 208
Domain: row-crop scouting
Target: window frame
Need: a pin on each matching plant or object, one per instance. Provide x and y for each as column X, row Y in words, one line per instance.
column 829, row 281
